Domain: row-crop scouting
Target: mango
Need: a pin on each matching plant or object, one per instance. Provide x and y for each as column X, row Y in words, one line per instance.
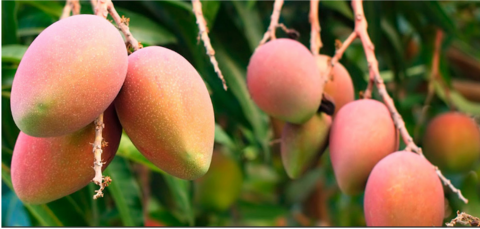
column 284, row 81
column 340, row 86
column 452, row 142
column 165, row 109
column 362, row 134
column 221, row 186
column 46, row 169
column 302, row 144
column 404, row 190
column 68, row 76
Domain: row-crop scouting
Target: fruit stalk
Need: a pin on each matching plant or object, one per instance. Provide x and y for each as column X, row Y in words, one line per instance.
column 315, row 41
column 361, row 30
column 71, row 6
column 270, row 34
column 203, row 34
column 102, row 9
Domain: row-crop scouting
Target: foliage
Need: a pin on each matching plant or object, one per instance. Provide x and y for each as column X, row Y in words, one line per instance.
column 243, row 132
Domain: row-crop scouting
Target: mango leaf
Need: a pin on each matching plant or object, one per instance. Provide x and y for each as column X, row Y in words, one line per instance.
column 53, row 8
column 125, row 192
column 10, row 131
column 42, row 212
column 13, row 53
column 14, row 213
column 146, row 31
column 298, row 190
column 258, row 214
column 129, row 151
column 339, row 6
column 222, row 137
column 460, row 102
column 251, row 23
column 180, row 191
column 235, row 77
column 9, row 22
column 210, row 10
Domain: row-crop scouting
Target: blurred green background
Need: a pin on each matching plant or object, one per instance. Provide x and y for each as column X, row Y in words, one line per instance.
column 247, row 159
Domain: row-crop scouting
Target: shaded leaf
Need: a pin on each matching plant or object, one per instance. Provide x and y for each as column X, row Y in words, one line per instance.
column 125, row 192
column 13, row 53
column 147, row 31
column 9, row 22
column 339, row 6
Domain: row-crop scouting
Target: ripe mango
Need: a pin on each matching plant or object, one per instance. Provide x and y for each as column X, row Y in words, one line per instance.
column 46, row 169
column 340, row 86
column 68, row 76
column 452, row 142
column 303, row 143
column 404, row 190
column 165, row 109
column 284, row 80
column 222, row 184
column 362, row 134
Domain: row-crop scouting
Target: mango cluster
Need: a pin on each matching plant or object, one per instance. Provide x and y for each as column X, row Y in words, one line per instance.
column 77, row 69
column 401, row 188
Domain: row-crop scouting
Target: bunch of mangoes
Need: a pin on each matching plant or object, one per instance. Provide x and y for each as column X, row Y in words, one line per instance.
column 77, row 69
column 401, row 188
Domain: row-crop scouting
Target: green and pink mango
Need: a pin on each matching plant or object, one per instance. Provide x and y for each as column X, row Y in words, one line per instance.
column 452, row 142
column 362, row 134
column 404, row 190
column 46, row 169
column 68, row 76
column 284, row 81
column 165, row 109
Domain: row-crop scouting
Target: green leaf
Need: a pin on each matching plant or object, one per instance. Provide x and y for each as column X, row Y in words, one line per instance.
column 9, row 22
column 222, row 137
column 129, row 151
column 147, row 31
column 125, row 192
column 14, row 213
column 298, row 190
column 235, row 77
column 210, row 10
column 180, row 191
column 53, row 8
column 251, row 23
column 13, row 53
column 258, row 212
column 458, row 100
column 339, row 6
column 436, row 15
column 42, row 212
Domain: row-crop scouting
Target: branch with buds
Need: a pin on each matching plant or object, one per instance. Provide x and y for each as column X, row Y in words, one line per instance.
column 203, row 34
column 464, row 219
column 102, row 9
column 375, row 78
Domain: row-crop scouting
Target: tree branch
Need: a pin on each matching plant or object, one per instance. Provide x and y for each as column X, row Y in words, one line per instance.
column 102, row 9
column 270, row 34
column 70, row 6
column 203, row 33
column 315, row 41
column 464, row 219
column 361, row 30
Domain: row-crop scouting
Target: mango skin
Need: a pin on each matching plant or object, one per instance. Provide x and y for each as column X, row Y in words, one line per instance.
column 46, row 169
column 404, row 190
column 72, row 71
column 283, row 80
column 362, row 134
column 452, row 142
column 165, row 109
column 221, row 186
column 340, row 87
column 302, row 143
